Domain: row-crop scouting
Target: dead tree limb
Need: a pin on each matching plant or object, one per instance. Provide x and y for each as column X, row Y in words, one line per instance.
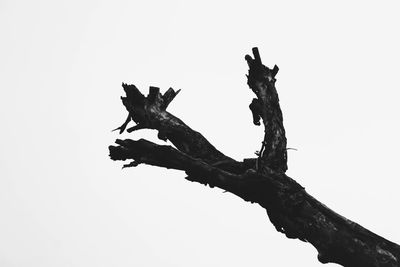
column 262, row 180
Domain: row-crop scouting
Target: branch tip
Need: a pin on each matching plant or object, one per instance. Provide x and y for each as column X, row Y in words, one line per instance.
column 153, row 93
column 135, row 128
column 274, row 71
column 257, row 57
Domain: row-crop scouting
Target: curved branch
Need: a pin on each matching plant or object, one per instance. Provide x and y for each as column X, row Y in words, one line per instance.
column 262, row 80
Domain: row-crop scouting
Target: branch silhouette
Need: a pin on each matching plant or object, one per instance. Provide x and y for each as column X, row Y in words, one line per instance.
column 259, row 180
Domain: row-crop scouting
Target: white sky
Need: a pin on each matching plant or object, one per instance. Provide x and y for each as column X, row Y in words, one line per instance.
column 64, row 203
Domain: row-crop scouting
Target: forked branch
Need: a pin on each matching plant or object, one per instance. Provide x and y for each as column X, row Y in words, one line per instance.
column 263, row 180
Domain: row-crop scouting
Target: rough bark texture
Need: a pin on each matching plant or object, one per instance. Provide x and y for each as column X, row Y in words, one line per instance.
column 261, row 180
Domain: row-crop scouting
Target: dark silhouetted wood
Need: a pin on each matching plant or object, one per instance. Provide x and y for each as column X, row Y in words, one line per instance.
column 260, row 180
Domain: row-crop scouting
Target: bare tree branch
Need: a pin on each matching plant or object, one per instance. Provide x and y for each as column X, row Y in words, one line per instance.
column 261, row 80
column 150, row 113
column 290, row 208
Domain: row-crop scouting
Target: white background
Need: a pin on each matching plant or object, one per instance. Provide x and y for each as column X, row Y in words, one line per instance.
column 63, row 202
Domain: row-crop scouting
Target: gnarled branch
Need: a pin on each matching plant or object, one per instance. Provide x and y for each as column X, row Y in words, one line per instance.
column 261, row 80
column 290, row 208
column 149, row 112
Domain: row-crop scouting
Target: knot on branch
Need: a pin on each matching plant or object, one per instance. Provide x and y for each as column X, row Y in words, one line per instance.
column 256, row 110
